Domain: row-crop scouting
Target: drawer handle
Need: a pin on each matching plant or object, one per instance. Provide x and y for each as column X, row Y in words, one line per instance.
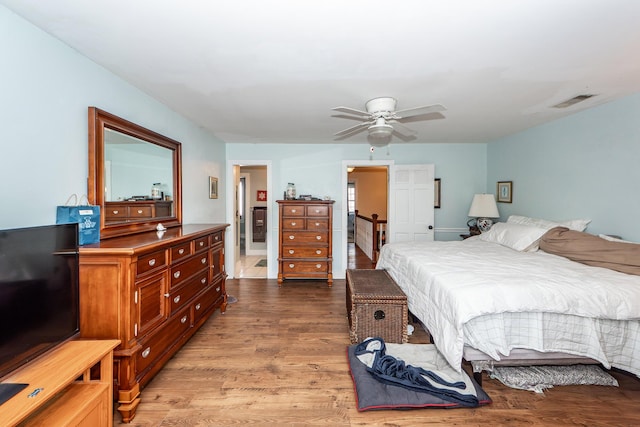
column 116, row 212
column 167, row 295
column 291, row 251
column 183, row 320
column 318, row 265
column 293, row 211
column 176, row 299
column 318, row 237
column 218, row 289
column 181, row 251
column 317, row 210
column 203, row 260
column 292, row 237
column 152, row 262
column 291, row 265
column 203, row 280
column 216, row 238
column 293, row 224
column 139, row 211
column 198, row 306
column 201, row 244
column 176, row 274
column 146, row 352
column 318, row 252
column 317, row 224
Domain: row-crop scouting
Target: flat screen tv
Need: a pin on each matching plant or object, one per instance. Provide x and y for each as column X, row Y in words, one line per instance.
column 38, row 291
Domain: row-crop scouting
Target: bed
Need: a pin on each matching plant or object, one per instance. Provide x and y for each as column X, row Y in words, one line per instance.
column 495, row 297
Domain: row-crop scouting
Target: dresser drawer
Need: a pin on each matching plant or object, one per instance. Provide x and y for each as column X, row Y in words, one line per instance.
column 305, row 267
column 179, row 297
column 153, row 261
column 317, row 224
column 205, row 301
column 201, row 243
column 217, row 238
column 293, row 211
column 116, row 212
column 180, row 251
column 318, row 210
column 304, row 237
column 160, row 342
column 140, row 212
column 186, row 269
column 293, row 223
column 304, row 252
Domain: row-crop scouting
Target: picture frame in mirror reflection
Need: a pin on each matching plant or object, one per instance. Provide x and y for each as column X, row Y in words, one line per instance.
column 213, row 187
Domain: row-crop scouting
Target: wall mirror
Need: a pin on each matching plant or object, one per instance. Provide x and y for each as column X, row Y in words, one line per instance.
column 135, row 176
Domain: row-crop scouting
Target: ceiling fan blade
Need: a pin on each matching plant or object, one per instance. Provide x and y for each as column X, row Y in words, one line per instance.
column 404, row 138
column 419, row 110
column 349, row 110
column 422, row 117
column 346, row 116
column 353, row 129
column 402, row 129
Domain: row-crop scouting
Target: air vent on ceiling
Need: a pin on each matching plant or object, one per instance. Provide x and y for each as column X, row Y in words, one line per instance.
column 574, row 100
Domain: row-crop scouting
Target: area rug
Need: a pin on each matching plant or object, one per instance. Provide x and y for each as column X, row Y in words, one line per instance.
column 540, row 378
column 372, row 394
column 261, row 263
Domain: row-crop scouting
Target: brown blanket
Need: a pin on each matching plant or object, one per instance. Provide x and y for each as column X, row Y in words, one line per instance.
column 592, row 250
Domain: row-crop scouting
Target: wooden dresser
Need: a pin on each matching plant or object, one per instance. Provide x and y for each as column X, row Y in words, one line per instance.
column 304, row 240
column 152, row 291
column 136, row 210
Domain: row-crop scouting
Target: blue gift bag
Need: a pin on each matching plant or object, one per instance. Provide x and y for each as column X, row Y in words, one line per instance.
column 85, row 215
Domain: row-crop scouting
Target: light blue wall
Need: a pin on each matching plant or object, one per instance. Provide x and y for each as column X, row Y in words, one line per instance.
column 316, row 169
column 586, row 165
column 45, row 89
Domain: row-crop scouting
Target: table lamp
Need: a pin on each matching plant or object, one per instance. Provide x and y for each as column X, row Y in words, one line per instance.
column 483, row 208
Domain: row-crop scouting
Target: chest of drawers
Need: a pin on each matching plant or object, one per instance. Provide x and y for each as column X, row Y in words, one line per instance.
column 304, row 240
column 151, row 291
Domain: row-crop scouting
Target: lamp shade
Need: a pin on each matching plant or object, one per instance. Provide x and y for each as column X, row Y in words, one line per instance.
column 484, row 206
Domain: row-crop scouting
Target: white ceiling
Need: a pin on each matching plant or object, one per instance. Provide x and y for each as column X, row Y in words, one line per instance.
column 271, row 70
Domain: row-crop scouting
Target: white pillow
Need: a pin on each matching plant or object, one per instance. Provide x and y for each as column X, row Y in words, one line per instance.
column 572, row 224
column 615, row 239
column 520, row 237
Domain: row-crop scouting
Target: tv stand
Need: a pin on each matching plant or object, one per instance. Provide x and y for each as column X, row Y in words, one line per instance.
column 61, row 389
column 8, row 390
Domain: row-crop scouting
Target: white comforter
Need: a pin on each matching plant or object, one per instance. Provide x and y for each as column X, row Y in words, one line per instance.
column 449, row 284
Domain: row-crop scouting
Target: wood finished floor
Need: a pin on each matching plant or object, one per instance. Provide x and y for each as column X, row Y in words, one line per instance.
column 278, row 357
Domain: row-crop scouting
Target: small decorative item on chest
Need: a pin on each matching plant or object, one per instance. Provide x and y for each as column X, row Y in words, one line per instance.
column 291, row 191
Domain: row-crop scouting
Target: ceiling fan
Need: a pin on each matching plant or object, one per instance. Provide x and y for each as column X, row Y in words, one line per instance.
column 383, row 120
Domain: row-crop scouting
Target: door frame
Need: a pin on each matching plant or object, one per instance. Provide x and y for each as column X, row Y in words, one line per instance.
column 345, row 182
column 230, row 244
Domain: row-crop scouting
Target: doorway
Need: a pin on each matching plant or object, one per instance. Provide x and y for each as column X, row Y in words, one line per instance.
column 248, row 251
column 366, row 189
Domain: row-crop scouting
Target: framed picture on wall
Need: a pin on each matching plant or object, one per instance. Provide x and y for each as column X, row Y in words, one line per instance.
column 261, row 196
column 213, row 187
column 436, row 193
column 504, row 192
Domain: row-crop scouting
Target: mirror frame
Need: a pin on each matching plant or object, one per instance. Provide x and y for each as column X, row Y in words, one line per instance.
column 100, row 120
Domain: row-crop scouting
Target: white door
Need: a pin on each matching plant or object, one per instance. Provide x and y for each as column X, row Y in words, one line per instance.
column 411, row 203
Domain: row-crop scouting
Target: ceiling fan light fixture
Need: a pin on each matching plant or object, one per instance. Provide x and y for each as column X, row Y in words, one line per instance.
column 380, row 131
